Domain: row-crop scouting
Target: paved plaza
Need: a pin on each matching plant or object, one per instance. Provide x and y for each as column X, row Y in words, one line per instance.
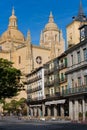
column 11, row 123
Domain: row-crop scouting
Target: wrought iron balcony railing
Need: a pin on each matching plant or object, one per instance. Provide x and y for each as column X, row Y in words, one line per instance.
column 62, row 80
column 75, row 91
column 62, row 66
column 38, row 88
column 57, row 94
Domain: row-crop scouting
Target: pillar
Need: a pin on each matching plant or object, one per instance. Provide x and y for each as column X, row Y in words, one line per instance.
column 55, row 110
column 43, row 109
column 39, row 111
column 62, row 110
column 83, row 106
column 35, row 111
column 71, row 109
column 48, row 111
column 76, row 110
column 31, row 111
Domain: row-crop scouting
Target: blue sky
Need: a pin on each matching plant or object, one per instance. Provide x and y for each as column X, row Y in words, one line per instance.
column 33, row 14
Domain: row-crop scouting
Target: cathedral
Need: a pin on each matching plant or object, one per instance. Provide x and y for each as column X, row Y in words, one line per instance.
column 26, row 56
column 20, row 50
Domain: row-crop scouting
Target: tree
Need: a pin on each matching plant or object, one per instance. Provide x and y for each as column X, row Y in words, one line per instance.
column 16, row 107
column 9, row 79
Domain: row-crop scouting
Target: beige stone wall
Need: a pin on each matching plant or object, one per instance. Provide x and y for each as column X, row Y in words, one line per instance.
column 73, row 33
column 44, row 53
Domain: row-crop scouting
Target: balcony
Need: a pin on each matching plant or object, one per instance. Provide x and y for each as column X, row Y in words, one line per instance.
column 34, row 79
column 49, row 96
column 49, row 83
column 62, row 80
column 62, row 66
column 34, row 89
column 76, row 67
column 75, row 91
column 35, row 98
column 49, row 71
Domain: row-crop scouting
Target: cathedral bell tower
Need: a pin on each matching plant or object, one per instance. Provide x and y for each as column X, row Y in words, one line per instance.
column 73, row 32
column 51, row 38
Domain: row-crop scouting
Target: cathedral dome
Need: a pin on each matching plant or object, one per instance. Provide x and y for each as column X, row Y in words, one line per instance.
column 12, row 34
column 51, row 25
column 12, row 31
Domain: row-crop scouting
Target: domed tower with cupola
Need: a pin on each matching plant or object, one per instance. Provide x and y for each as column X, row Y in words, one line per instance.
column 12, row 37
column 51, row 37
column 73, row 32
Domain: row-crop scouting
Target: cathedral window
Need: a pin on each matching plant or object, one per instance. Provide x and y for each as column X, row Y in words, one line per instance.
column 55, row 37
column 19, row 60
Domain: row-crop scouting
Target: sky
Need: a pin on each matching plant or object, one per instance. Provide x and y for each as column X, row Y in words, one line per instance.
column 33, row 14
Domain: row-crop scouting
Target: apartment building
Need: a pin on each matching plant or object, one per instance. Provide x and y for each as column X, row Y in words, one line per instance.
column 77, row 77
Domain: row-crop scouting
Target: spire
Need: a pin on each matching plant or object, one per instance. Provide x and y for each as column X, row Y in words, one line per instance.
column 41, row 36
column 13, row 11
column 13, row 20
column 81, row 12
column 81, row 16
column 28, row 36
column 51, row 20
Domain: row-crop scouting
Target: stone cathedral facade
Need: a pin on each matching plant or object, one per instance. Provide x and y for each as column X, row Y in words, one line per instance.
column 26, row 56
column 20, row 50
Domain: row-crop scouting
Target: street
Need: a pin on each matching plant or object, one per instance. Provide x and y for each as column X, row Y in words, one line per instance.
column 15, row 124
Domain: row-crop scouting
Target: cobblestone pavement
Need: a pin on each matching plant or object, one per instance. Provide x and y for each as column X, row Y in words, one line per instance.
column 15, row 124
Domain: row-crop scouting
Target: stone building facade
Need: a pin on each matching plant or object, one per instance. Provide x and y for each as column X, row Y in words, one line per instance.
column 65, row 78
column 77, row 79
column 52, row 103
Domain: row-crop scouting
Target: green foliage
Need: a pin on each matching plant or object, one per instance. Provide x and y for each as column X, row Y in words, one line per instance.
column 16, row 106
column 2, row 101
column 9, row 79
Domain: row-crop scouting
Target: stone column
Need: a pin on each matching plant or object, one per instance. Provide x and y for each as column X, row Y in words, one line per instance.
column 83, row 106
column 55, row 110
column 71, row 110
column 62, row 110
column 76, row 110
column 39, row 111
column 35, row 111
column 48, row 111
column 31, row 112
column 43, row 109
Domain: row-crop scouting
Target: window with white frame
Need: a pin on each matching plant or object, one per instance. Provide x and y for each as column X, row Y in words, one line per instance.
column 85, row 53
column 79, row 81
column 71, row 59
column 51, row 91
column 85, row 79
column 78, row 57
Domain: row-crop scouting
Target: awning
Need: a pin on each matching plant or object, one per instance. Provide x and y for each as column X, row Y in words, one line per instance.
column 55, row 102
column 38, row 105
column 48, row 103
